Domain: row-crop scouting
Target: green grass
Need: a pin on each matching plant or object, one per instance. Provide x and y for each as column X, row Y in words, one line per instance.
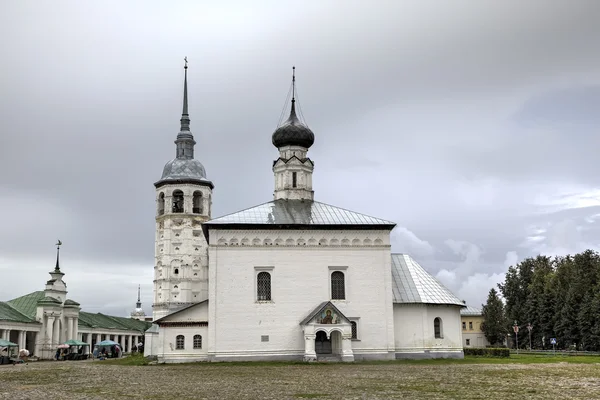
column 134, row 359
column 138, row 359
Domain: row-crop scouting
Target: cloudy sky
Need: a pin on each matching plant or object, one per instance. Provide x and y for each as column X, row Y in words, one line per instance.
column 472, row 124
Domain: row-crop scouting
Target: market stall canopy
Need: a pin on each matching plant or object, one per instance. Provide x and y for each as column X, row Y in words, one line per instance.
column 73, row 342
column 107, row 343
column 6, row 343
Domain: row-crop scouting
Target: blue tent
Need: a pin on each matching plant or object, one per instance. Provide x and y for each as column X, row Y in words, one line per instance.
column 108, row 343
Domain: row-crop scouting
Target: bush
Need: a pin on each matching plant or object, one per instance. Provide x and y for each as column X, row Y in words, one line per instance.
column 487, row 352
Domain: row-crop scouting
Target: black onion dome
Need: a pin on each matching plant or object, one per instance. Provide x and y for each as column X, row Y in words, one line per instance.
column 293, row 132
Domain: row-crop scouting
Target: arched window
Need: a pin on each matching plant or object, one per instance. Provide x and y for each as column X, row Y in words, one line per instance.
column 180, row 342
column 176, row 271
column 437, row 328
column 263, row 286
column 197, row 203
column 177, row 201
column 161, row 203
column 338, row 289
column 354, row 330
column 294, row 179
column 197, row 341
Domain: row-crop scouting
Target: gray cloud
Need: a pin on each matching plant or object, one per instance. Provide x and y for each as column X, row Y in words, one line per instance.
column 466, row 123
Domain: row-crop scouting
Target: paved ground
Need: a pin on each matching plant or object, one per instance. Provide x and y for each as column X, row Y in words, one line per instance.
column 98, row 380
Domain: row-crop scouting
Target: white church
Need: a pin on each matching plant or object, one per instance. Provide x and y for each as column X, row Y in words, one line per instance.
column 290, row 279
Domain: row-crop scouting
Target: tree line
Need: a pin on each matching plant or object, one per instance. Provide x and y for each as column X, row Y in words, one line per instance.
column 559, row 297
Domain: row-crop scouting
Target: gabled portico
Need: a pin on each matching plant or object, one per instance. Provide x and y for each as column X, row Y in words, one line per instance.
column 327, row 334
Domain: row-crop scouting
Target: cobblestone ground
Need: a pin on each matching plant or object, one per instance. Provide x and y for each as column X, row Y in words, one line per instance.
column 95, row 380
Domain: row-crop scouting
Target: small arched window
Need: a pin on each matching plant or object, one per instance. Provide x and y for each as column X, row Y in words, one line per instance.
column 197, row 203
column 437, row 328
column 177, row 201
column 161, row 203
column 338, row 289
column 176, row 271
column 180, row 342
column 197, row 341
column 354, row 330
column 263, row 286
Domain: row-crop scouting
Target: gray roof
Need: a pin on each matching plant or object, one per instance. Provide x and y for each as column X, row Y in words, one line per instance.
column 470, row 311
column 412, row 284
column 183, row 169
column 298, row 212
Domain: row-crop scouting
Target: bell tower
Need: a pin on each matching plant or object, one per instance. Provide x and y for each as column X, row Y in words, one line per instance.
column 183, row 204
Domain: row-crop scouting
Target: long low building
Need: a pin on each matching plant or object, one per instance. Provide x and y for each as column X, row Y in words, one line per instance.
column 42, row 320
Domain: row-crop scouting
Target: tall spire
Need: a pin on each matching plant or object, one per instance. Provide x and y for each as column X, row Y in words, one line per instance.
column 185, row 140
column 185, row 117
column 293, row 110
column 139, row 302
column 58, row 244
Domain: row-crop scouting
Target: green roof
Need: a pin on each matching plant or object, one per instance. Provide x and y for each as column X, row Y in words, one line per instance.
column 27, row 304
column 100, row 320
column 9, row 313
column 25, row 307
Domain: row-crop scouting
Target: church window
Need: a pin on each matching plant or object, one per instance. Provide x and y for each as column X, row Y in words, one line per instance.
column 197, row 200
column 338, row 289
column 464, row 326
column 354, row 330
column 197, row 341
column 180, row 342
column 437, row 328
column 470, row 325
column 177, row 201
column 176, row 271
column 468, row 342
column 294, row 179
column 263, row 286
column 161, row 204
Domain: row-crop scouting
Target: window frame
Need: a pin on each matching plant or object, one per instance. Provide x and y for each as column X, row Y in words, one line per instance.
column 440, row 334
column 257, row 271
column 263, row 284
column 343, row 296
column 177, row 345
column 194, row 346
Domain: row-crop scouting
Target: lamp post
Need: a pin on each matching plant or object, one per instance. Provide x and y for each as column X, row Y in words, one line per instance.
column 516, row 329
column 529, row 328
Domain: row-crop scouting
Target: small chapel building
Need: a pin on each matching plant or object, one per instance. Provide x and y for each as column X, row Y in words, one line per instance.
column 291, row 279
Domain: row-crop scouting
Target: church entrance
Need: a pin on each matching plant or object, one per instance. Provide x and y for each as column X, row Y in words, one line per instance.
column 322, row 343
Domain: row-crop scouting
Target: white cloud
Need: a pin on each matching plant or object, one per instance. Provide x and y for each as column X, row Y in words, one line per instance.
column 407, row 242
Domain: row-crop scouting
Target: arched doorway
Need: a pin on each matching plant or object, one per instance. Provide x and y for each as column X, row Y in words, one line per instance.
column 322, row 343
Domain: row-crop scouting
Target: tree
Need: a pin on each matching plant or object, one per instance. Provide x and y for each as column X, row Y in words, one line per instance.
column 494, row 321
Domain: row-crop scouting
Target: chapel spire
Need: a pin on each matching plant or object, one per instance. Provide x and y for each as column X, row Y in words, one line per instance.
column 139, row 302
column 57, row 267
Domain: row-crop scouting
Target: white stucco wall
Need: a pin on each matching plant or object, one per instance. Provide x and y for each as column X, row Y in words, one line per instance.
column 166, row 341
column 300, row 281
column 414, row 331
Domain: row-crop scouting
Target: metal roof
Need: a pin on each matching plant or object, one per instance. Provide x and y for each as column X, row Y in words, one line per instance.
column 297, row 212
column 412, row 284
column 471, row 311
column 11, row 314
column 27, row 304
